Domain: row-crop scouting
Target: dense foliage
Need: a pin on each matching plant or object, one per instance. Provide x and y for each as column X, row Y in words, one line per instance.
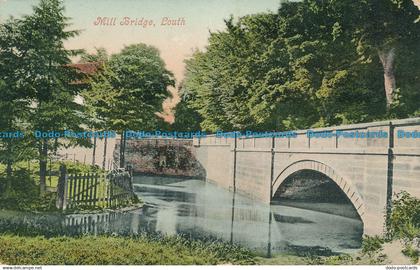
column 128, row 90
column 402, row 225
column 404, row 221
column 313, row 63
column 25, row 194
column 38, row 84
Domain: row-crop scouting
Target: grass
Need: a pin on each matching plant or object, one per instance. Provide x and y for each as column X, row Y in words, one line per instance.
column 54, row 167
column 108, row 250
column 32, row 168
column 145, row 250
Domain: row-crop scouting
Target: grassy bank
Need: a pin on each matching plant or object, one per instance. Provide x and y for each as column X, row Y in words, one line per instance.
column 107, row 250
column 148, row 250
column 141, row 250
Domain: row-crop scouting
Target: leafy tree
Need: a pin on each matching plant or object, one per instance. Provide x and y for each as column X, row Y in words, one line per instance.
column 309, row 65
column 100, row 56
column 389, row 30
column 52, row 80
column 14, row 106
column 186, row 119
column 100, row 99
column 97, row 60
column 129, row 90
column 323, row 59
column 221, row 81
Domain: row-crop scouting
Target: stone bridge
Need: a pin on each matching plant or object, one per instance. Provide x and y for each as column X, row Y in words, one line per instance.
column 368, row 170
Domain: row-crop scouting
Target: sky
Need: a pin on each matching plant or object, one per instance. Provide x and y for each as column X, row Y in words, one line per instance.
column 175, row 42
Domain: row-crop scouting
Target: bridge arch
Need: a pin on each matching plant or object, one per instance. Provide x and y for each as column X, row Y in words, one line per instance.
column 344, row 184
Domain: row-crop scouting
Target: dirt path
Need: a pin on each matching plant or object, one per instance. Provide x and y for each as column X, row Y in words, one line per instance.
column 394, row 254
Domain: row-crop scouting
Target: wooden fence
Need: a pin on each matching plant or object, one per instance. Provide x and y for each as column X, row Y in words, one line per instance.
column 94, row 190
column 121, row 186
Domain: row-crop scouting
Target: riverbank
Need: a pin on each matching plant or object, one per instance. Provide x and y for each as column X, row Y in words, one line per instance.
column 108, row 250
column 164, row 250
column 140, row 250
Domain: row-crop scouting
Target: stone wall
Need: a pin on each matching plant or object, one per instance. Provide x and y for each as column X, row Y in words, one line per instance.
column 218, row 159
column 161, row 157
column 102, row 156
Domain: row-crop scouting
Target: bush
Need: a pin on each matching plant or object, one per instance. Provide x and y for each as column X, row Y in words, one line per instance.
column 371, row 245
column 342, row 259
column 411, row 252
column 25, row 195
column 404, row 221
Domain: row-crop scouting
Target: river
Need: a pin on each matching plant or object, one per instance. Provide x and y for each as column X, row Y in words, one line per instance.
column 203, row 210
column 199, row 208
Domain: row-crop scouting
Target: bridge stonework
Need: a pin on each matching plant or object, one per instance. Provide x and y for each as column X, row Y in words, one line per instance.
column 368, row 170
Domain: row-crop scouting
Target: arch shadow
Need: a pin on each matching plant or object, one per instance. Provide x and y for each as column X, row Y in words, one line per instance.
column 344, row 184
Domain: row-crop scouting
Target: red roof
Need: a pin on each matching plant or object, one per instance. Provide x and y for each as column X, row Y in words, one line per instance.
column 87, row 68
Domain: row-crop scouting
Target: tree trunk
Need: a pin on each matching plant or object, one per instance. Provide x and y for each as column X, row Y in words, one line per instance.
column 9, row 168
column 94, row 151
column 387, row 58
column 122, row 150
column 9, row 164
column 9, row 178
column 9, row 160
column 43, row 154
column 105, row 145
column 55, row 146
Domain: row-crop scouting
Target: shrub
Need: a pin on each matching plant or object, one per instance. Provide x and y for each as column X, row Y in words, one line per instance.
column 411, row 252
column 25, row 194
column 371, row 245
column 332, row 260
column 404, row 221
column 24, row 191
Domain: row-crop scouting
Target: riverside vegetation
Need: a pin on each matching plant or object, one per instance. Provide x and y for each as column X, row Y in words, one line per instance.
column 144, row 249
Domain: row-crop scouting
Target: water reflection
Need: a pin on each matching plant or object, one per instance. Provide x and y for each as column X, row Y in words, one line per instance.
column 199, row 209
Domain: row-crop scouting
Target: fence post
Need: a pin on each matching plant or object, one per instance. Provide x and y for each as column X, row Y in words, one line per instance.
column 61, row 202
column 109, row 190
column 95, row 189
column 130, row 172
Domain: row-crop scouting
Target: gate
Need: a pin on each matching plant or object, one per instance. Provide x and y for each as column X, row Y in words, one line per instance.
column 94, row 190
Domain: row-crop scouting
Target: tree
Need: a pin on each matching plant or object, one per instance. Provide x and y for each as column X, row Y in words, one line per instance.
column 97, row 60
column 186, row 119
column 323, row 61
column 100, row 56
column 99, row 100
column 220, row 81
column 129, row 90
column 312, row 64
column 14, row 105
column 388, row 30
column 48, row 72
